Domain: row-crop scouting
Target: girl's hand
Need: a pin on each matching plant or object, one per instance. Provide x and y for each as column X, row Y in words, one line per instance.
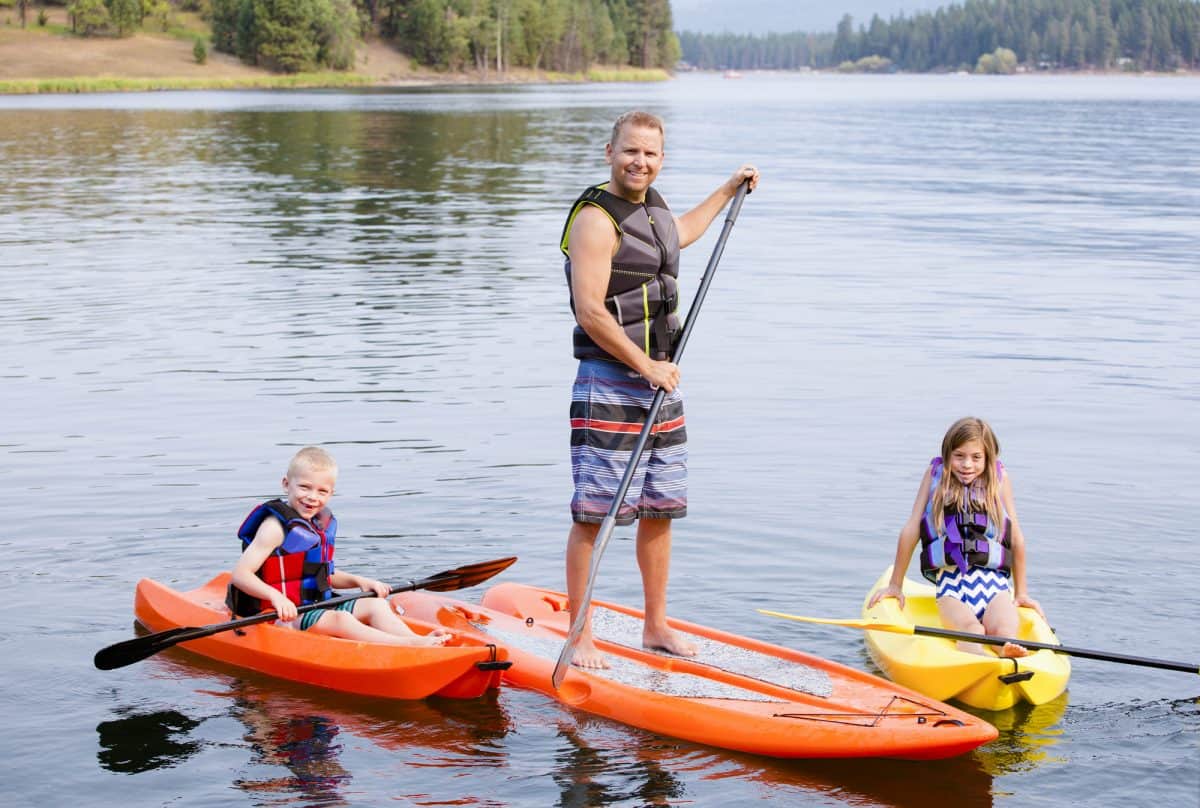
column 746, row 172
column 889, row 591
column 1029, row 603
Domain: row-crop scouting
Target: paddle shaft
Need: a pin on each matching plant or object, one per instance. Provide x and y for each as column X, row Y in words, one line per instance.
column 134, row 650
column 1085, row 653
column 950, row 634
column 610, row 519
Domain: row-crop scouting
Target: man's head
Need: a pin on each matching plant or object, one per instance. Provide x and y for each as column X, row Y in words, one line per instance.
column 635, row 153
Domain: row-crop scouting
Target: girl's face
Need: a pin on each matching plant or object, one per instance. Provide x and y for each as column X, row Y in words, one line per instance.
column 968, row 461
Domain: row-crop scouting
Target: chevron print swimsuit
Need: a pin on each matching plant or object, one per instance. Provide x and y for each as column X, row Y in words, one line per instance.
column 977, row 587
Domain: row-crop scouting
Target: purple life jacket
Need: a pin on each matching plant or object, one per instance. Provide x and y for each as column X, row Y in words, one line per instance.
column 966, row 539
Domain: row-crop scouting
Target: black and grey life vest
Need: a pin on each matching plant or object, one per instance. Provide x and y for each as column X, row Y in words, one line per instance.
column 643, row 293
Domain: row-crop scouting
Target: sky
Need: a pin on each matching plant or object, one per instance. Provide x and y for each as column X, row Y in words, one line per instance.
column 762, row 16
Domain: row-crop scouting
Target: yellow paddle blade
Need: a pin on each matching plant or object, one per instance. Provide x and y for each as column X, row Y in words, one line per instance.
column 866, row 625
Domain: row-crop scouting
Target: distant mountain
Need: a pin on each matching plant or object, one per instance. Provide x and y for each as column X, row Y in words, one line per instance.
column 783, row 16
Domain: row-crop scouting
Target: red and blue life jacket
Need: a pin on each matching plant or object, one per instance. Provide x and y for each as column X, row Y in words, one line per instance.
column 965, row 540
column 299, row 567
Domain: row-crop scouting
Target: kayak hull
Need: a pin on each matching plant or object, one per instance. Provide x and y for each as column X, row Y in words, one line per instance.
column 369, row 669
column 934, row 665
column 753, row 697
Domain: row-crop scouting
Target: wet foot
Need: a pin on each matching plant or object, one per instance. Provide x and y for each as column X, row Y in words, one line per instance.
column 589, row 657
column 1010, row 650
column 669, row 641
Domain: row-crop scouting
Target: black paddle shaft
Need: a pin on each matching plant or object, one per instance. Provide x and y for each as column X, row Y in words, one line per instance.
column 610, row 519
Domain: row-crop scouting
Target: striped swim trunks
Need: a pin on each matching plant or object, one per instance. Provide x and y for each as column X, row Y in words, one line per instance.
column 977, row 587
column 307, row 620
column 609, row 403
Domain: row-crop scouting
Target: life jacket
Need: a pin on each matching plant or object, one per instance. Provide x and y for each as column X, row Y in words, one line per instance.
column 643, row 290
column 964, row 540
column 299, row 567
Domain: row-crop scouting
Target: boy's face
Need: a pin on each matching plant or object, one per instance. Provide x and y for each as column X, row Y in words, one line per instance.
column 308, row 489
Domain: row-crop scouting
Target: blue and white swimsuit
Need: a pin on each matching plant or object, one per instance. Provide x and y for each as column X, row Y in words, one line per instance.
column 977, row 587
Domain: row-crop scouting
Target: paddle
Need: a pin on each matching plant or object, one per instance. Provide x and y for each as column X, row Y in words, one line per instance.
column 610, row 519
column 895, row 628
column 137, row 649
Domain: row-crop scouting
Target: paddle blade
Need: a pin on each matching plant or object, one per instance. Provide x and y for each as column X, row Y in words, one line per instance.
column 465, row 577
column 865, row 625
column 130, row 651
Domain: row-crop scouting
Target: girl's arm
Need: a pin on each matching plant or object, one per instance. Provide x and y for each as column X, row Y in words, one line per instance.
column 1017, row 542
column 910, row 534
column 267, row 539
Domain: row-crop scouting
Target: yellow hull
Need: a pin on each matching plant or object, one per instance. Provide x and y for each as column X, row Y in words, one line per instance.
column 935, row 667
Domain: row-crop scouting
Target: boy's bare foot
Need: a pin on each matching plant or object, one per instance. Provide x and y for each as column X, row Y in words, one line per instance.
column 667, row 640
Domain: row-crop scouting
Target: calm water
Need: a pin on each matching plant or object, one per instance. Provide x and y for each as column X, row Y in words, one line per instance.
column 195, row 284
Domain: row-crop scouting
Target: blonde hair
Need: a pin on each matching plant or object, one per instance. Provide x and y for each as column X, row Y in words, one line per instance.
column 985, row 489
column 313, row 458
column 637, row 117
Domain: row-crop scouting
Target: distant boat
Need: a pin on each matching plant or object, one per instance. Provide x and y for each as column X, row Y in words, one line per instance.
column 732, row 74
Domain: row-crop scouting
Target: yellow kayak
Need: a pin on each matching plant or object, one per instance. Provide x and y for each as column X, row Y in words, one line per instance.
column 935, row 667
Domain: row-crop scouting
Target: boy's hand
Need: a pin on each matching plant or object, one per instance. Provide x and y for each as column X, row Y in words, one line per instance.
column 284, row 607
column 371, row 585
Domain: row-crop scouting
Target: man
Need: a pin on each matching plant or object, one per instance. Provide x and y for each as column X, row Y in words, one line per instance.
column 622, row 245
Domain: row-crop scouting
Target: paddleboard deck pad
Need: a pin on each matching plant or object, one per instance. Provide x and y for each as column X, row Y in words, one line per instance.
column 736, row 693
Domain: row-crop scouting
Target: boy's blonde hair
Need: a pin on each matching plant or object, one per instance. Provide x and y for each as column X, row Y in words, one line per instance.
column 950, row 492
column 313, row 458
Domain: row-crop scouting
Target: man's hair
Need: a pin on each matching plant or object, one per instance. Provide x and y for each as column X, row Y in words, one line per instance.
column 637, row 117
column 314, row 458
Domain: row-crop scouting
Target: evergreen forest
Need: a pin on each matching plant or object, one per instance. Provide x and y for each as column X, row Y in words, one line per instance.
column 982, row 35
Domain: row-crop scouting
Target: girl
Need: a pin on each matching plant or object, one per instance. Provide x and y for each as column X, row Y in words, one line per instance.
column 972, row 547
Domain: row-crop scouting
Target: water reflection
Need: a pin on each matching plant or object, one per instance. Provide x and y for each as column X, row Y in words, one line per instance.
column 137, row 742
column 1027, row 735
column 588, row 776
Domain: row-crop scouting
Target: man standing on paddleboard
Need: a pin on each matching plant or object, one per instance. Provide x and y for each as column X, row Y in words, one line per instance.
column 622, row 245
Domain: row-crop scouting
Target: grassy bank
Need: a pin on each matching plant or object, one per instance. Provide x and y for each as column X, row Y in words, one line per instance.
column 109, row 84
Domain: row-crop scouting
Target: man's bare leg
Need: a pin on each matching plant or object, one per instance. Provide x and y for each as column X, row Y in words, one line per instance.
column 654, row 560
column 580, row 543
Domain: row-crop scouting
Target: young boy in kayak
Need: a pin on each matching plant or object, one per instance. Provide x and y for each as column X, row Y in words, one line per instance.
column 972, row 548
column 287, row 561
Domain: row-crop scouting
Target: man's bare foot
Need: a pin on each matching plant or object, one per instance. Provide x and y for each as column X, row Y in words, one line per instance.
column 588, row 656
column 1010, row 650
column 667, row 640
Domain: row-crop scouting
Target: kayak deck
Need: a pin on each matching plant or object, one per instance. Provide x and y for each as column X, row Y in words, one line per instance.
column 934, row 666
column 370, row 669
column 737, row 693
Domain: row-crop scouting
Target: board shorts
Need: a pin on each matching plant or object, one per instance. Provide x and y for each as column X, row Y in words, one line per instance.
column 977, row 587
column 609, row 403
column 309, row 619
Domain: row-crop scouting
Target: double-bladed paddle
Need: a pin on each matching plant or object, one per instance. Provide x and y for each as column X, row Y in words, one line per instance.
column 610, row 519
column 928, row 631
column 137, row 649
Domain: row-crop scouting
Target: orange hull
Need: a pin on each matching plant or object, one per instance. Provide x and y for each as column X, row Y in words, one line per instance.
column 738, row 693
column 384, row 671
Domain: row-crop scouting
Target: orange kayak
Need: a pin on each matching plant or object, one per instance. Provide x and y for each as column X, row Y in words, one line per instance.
column 459, row 670
column 737, row 693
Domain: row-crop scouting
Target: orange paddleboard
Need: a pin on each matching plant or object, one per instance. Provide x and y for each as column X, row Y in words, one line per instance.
column 370, row 669
column 737, row 693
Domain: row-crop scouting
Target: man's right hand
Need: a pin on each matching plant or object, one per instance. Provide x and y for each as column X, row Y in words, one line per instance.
column 662, row 374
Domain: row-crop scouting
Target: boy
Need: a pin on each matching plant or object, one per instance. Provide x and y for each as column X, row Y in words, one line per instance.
column 287, row 561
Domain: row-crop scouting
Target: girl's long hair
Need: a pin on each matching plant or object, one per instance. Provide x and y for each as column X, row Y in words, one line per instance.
column 985, row 490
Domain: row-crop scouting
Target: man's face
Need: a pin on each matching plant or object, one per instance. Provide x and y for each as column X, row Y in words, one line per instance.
column 636, row 157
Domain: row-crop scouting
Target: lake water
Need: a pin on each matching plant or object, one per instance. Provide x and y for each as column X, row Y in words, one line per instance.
column 196, row 284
